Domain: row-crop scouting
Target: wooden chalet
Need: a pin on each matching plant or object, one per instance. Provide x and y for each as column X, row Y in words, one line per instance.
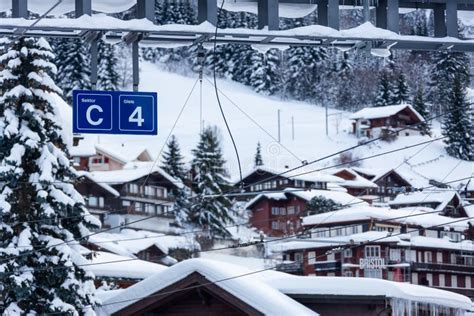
column 193, row 287
column 279, row 214
column 373, row 121
column 263, row 178
column 354, row 183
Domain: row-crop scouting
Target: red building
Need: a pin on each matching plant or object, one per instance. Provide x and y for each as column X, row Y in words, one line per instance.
column 406, row 245
column 374, row 121
column 279, row 213
column 355, row 184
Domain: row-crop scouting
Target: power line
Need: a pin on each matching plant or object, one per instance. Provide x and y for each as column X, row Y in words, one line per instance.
column 219, row 100
column 266, row 269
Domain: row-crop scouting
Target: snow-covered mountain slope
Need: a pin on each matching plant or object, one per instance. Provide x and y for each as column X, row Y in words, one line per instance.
column 310, row 141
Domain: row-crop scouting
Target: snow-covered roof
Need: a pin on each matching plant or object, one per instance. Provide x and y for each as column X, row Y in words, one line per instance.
column 124, row 152
column 296, row 174
column 412, row 216
column 130, row 242
column 343, row 286
column 383, row 111
column 443, row 197
column 103, row 185
column 261, row 296
column 106, row 264
column 414, row 179
column 129, row 174
column 337, row 196
column 357, row 182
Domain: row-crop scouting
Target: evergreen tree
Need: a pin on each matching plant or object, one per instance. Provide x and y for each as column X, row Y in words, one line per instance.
column 420, row 106
column 40, row 210
column 457, row 124
column 73, row 67
column 258, row 156
column 447, row 66
column 320, row 204
column 108, row 77
column 401, row 91
column 173, row 160
column 211, row 210
column 344, row 84
column 385, row 94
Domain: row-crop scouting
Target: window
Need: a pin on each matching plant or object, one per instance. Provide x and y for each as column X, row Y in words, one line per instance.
column 454, row 281
column 442, row 281
column 395, row 255
column 348, row 274
column 93, row 201
column 439, row 257
column 348, row 253
column 274, row 184
column 373, row 273
column 282, row 211
column 414, row 278
column 298, row 257
column 299, row 183
column 355, row 229
column 160, row 192
column 372, row 251
column 429, row 278
column 291, row 210
column 468, row 282
column 311, row 257
column 453, row 258
column 133, row 188
column 126, row 203
column 275, row 225
column 428, row 256
column 275, row 211
column 150, row 191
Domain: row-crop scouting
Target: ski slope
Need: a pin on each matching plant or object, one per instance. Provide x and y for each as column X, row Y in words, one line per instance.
column 309, row 143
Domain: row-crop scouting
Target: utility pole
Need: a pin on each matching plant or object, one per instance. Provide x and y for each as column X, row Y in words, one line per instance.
column 366, row 10
column 293, row 128
column 279, row 127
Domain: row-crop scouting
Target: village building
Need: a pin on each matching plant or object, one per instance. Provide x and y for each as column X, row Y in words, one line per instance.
column 263, row 178
column 279, row 214
column 416, row 245
column 195, row 287
column 375, row 121
column 468, row 191
column 355, row 184
column 446, row 202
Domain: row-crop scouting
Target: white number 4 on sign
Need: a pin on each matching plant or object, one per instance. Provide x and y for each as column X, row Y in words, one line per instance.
column 136, row 116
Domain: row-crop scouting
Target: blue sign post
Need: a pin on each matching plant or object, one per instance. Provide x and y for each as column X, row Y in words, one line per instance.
column 114, row 112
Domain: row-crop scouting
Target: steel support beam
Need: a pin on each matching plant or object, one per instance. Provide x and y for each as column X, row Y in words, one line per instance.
column 146, row 9
column 452, row 18
column 393, row 20
column 83, row 7
column 333, row 14
column 439, row 20
column 207, row 11
column 381, row 14
column 20, row 8
column 323, row 12
column 135, row 65
column 268, row 14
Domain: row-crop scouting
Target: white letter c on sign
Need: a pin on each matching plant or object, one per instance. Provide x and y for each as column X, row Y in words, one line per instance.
column 88, row 115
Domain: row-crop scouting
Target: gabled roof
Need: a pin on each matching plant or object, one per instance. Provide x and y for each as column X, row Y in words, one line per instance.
column 103, row 185
column 358, row 181
column 443, row 197
column 417, row 216
column 296, row 174
column 384, row 111
column 257, row 294
column 131, row 173
column 413, row 179
column 123, row 153
column 337, row 196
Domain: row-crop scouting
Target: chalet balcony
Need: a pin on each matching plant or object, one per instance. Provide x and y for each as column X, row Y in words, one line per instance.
column 138, row 196
column 441, row 267
column 327, row 266
column 290, row 267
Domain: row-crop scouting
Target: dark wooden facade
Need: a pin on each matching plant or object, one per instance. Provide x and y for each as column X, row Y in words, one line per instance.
column 184, row 298
column 278, row 217
column 352, row 190
column 389, row 185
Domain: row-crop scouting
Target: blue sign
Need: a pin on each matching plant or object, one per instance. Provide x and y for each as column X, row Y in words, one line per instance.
column 115, row 112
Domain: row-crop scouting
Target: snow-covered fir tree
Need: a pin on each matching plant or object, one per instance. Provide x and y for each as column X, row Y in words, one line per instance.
column 385, row 93
column 40, row 209
column 320, row 204
column 173, row 160
column 73, row 65
column 108, row 78
column 457, row 124
column 210, row 209
column 258, row 161
column 447, row 66
column 401, row 93
column 419, row 105
column 173, row 164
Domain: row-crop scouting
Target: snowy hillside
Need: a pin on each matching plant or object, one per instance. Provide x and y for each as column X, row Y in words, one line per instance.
column 310, row 141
